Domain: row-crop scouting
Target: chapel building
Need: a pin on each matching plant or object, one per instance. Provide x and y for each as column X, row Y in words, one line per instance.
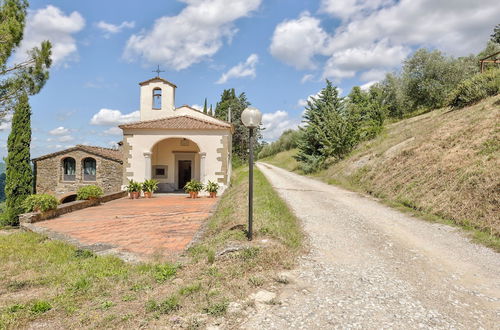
column 174, row 145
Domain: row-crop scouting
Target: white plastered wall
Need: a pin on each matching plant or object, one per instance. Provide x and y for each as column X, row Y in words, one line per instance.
column 142, row 143
column 167, row 101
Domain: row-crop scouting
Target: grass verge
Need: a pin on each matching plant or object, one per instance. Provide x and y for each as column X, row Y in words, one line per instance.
column 52, row 284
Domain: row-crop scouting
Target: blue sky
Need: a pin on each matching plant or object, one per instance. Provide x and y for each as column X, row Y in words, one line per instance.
column 276, row 51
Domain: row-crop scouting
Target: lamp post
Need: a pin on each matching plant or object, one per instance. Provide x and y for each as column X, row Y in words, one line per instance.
column 251, row 118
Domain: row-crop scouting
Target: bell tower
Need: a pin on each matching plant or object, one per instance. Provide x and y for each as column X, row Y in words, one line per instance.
column 157, row 98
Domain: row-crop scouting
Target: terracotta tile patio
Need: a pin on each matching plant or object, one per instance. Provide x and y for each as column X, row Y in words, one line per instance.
column 164, row 224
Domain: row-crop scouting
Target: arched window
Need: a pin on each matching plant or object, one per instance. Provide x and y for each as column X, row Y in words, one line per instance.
column 157, row 98
column 89, row 169
column 69, row 169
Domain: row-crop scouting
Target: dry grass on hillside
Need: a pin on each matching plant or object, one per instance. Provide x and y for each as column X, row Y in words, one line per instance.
column 444, row 162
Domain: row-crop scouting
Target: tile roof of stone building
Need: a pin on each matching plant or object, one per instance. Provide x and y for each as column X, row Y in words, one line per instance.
column 179, row 123
column 112, row 154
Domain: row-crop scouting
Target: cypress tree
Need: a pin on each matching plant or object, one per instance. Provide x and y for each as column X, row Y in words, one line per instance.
column 210, row 112
column 19, row 175
column 205, row 106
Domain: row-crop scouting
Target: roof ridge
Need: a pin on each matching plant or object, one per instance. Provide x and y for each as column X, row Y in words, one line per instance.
column 174, row 117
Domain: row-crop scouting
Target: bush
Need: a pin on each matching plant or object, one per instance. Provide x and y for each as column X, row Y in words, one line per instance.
column 475, row 89
column 41, row 202
column 88, row 192
column 134, row 186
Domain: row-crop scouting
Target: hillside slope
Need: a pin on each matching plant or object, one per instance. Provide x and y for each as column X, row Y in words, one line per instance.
column 444, row 163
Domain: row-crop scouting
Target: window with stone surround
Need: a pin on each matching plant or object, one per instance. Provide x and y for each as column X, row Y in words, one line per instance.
column 69, row 169
column 89, row 169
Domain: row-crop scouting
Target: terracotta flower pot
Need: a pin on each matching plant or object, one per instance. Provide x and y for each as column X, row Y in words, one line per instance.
column 148, row 194
column 213, row 194
column 195, row 194
column 191, row 194
column 135, row 194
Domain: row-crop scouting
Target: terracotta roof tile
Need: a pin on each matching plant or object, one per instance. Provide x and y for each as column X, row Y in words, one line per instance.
column 112, row 154
column 178, row 122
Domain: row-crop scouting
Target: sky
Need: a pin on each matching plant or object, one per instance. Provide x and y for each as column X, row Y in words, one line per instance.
column 279, row 52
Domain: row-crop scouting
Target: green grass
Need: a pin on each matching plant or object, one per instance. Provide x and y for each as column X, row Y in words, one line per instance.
column 65, row 287
column 284, row 160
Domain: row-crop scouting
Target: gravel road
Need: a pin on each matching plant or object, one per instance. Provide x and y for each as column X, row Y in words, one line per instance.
column 373, row 267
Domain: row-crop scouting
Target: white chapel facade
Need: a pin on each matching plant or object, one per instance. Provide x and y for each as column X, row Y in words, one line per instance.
column 174, row 145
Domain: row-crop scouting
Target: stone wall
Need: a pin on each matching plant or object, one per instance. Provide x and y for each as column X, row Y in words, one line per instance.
column 49, row 174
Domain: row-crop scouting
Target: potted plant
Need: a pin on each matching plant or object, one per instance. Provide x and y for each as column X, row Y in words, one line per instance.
column 40, row 203
column 149, row 187
column 90, row 192
column 212, row 188
column 193, row 187
column 134, row 189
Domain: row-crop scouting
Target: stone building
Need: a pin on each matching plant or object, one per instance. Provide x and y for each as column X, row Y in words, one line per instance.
column 175, row 145
column 62, row 173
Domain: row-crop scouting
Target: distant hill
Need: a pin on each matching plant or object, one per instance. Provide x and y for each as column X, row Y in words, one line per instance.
column 444, row 163
column 2, row 167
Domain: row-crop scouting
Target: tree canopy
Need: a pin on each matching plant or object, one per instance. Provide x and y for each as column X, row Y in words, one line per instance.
column 28, row 76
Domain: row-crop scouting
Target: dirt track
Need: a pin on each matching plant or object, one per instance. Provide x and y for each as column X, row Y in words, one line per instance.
column 374, row 267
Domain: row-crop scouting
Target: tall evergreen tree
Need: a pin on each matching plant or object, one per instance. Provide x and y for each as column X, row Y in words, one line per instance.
column 210, row 112
column 229, row 102
column 3, row 177
column 205, row 106
column 495, row 37
column 19, row 175
column 331, row 130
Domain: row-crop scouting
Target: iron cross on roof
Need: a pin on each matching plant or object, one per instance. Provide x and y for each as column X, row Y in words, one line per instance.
column 158, row 71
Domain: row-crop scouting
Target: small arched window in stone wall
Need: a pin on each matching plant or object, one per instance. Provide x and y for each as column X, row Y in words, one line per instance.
column 69, row 169
column 157, row 98
column 89, row 169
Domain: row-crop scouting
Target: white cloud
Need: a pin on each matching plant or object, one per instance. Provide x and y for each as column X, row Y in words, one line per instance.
column 296, row 42
column 65, row 138
column 303, row 102
column 374, row 74
column 197, row 107
column 59, row 131
column 346, row 9
column 246, row 69
column 5, row 122
column 195, row 34
column 50, row 23
column 110, row 29
column 374, row 36
column 108, row 117
column 369, row 84
column 113, row 131
column 306, row 78
column 275, row 124
column 346, row 63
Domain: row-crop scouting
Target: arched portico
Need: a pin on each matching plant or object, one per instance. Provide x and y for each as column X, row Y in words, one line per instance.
column 173, row 162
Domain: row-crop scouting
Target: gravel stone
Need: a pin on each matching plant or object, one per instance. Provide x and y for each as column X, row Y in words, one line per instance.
column 372, row 267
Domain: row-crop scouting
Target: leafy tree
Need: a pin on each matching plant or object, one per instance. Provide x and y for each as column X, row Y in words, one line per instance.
column 495, row 37
column 368, row 110
column 232, row 106
column 2, row 186
column 19, row 176
column 205, row 106
column 330, row 131
column 28, row 76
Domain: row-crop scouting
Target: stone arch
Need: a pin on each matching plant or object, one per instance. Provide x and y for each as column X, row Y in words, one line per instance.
column 68, row 198
column 173, row 161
